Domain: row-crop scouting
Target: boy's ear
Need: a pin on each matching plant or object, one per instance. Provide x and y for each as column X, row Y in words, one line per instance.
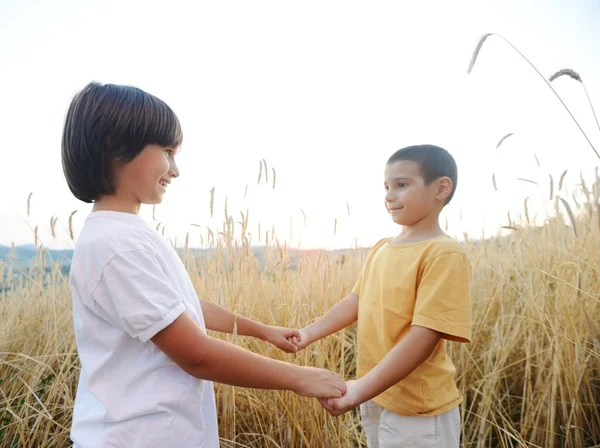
column 444, row 188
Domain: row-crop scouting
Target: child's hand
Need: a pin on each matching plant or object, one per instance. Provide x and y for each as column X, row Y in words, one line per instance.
column 301, row 340
column 281, row 338
column 320, row 383
column 339, row 406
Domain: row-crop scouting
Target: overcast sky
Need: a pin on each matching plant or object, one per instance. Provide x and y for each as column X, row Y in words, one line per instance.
column 323, row 91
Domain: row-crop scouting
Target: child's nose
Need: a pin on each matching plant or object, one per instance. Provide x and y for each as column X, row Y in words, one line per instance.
column 174, row 170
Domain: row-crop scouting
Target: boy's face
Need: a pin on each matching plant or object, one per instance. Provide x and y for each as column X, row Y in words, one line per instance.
column 408, row 199
column 146, row 178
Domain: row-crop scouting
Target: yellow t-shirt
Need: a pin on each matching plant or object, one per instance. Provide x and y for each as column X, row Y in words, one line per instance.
column 427, row 284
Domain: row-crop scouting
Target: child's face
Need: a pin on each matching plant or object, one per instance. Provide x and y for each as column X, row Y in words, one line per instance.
column 407, row 199
column 146, row 178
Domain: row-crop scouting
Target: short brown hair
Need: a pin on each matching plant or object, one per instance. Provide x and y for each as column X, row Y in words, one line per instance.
column 108, row 122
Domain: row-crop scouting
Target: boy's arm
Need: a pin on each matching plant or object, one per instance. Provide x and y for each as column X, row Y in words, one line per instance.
column 219, row 319
column 414, row 349
column 343, row 314
column 208, row 358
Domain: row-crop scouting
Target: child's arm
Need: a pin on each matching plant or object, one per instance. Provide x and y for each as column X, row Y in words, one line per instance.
column 218, row 318
column 414, row 349
column 208, row 358
column 343, row 314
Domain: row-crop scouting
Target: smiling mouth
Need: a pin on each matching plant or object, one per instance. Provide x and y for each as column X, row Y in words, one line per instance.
column 163, row 184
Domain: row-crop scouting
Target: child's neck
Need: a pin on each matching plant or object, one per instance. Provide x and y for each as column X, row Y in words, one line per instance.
column 116, row 204
column 421, row 231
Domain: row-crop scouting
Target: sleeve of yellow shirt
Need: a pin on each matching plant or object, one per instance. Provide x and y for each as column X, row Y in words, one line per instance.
column 443, row 301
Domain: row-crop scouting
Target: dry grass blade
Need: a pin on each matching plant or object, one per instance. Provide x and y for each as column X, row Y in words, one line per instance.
column 537, row 160
column 260, row 168
column 29, row 203
column 504, row 138
column 526, row 210
column 154, row 213
column 348, row 208
column 35, row 235
column 266, row 171
column 494, row 181
column 551, row 186
column 274, row 177
column 335, row 226
column 570, row 214
column 527, row 180
column 303, row 216
column 512, row 228
column 245, row 191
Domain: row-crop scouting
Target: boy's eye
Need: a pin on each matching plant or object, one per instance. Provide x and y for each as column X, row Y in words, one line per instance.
column 169, row 152
column 401, row 185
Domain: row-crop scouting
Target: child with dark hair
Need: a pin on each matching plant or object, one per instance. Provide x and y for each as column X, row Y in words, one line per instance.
column 147, row 364
column 413, row 294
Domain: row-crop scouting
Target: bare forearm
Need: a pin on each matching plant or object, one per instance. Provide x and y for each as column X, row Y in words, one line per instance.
column 414, row 349
column 340, row 316
column 226, row 363
column 219, row 319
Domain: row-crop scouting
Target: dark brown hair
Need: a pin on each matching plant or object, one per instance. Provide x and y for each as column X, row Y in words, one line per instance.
column 108, row 123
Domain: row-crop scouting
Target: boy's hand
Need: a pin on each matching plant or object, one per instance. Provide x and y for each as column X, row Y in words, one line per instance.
column 339, row 406
column 281, row 338
column 320, row 383
column 301, row 340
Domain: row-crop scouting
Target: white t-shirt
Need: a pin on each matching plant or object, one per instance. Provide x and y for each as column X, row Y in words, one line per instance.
column 128, row 283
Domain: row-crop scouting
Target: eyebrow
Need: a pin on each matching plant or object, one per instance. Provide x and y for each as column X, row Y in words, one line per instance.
column 397, row 179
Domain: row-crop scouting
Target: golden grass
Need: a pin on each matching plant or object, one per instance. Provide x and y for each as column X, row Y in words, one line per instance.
column 531, row 376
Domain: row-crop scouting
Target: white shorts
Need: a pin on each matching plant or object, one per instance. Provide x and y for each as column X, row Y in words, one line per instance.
column 385, row 429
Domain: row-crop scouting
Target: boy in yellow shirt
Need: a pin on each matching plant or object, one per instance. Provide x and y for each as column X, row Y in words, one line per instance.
column 412, row 295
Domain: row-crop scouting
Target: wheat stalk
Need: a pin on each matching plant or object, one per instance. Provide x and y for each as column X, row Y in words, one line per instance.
column 504, row 138
column 562, row 178
column 574, row 75
column 29, row 203
column 53, row 226
column 474, row 59
column 571, row 216
column 71, row 232
column 212, row 201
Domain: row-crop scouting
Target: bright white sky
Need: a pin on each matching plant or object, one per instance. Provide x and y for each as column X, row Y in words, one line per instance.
column 324, row 91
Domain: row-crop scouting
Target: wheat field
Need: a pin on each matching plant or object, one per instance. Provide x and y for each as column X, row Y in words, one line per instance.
column 531, row 376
